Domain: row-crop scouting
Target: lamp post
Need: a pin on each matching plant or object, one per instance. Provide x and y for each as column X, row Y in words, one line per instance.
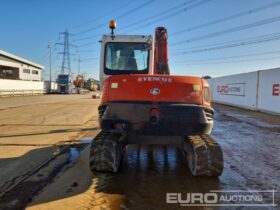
column 50, row 49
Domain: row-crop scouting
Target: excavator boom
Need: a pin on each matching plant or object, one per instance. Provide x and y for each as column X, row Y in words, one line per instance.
column 161, row 52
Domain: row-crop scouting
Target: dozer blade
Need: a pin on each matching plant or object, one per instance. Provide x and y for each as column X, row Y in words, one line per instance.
column 204, row 155
column 106, row 152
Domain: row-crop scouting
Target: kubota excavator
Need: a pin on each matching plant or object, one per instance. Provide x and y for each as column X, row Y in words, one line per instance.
column 142, row 104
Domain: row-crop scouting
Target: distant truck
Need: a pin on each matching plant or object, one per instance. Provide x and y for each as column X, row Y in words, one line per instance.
column 64, row 84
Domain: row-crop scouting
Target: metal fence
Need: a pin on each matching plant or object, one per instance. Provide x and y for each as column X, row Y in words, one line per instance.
column 259, row 90
column 7, row 93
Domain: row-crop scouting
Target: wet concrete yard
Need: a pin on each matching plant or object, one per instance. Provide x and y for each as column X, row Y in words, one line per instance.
column 250, row 142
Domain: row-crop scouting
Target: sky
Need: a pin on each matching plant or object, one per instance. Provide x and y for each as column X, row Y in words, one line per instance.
column 205, row 37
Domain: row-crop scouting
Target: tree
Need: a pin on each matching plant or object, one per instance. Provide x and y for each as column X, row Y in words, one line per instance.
column 206, row 77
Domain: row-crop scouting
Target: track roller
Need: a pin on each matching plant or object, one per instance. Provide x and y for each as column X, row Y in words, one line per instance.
column 106, row 152
column 204, row 155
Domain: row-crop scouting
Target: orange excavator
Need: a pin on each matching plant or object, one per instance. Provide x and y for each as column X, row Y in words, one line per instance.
column 79, row 82
column 142, row 103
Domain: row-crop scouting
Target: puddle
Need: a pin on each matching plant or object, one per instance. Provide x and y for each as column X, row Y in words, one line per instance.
column 74, row 154
column 76, row 150
column 87, row 140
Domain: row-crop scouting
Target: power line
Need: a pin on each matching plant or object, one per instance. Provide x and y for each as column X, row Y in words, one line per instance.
column 89, row 61
column 86, row 38
column 175, row 13
column 127, row 3
column 233, row 61
column 118, row 17
column 231, row 57
column 82, row 39
column 85, row 51
column 94, row 58
column 227, row 42
column 44, row 58
column 89, row 43
column 162, row 13
column 135, row 9
column 231, row 17
column 272, row 37
column 158, row 14
column 230, row 30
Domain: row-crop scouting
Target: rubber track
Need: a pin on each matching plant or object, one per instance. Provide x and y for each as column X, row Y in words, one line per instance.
column 204, row 155
column 106, row 152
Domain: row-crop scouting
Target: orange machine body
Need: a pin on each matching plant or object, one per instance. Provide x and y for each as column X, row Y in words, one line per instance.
column 157, row 88
column 155, row 103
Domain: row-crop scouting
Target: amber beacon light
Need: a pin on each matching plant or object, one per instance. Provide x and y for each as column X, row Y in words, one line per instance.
column 112, row 26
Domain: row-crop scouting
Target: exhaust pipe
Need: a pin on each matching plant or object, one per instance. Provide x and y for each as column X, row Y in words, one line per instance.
column 154, row 115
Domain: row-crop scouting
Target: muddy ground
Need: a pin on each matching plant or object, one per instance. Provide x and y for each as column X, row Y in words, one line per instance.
column 33, row 130
column 250, row 142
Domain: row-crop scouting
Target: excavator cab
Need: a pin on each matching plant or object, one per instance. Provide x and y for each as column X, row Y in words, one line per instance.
column 125, row 55
column 126, row 58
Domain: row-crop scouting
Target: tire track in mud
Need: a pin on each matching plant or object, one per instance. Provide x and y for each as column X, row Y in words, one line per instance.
column 146, row 175
column 251, row 153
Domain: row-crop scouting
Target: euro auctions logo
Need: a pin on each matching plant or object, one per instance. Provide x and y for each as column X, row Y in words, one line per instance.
column 222, row 89
column 264, row 198
column 276, row 89
column 192, row 198
column 237, row 89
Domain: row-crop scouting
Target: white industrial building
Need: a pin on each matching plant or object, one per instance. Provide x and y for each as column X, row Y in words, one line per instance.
column 13, row 67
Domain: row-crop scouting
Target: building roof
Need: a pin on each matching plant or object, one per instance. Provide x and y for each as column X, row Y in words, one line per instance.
column 19, row 59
